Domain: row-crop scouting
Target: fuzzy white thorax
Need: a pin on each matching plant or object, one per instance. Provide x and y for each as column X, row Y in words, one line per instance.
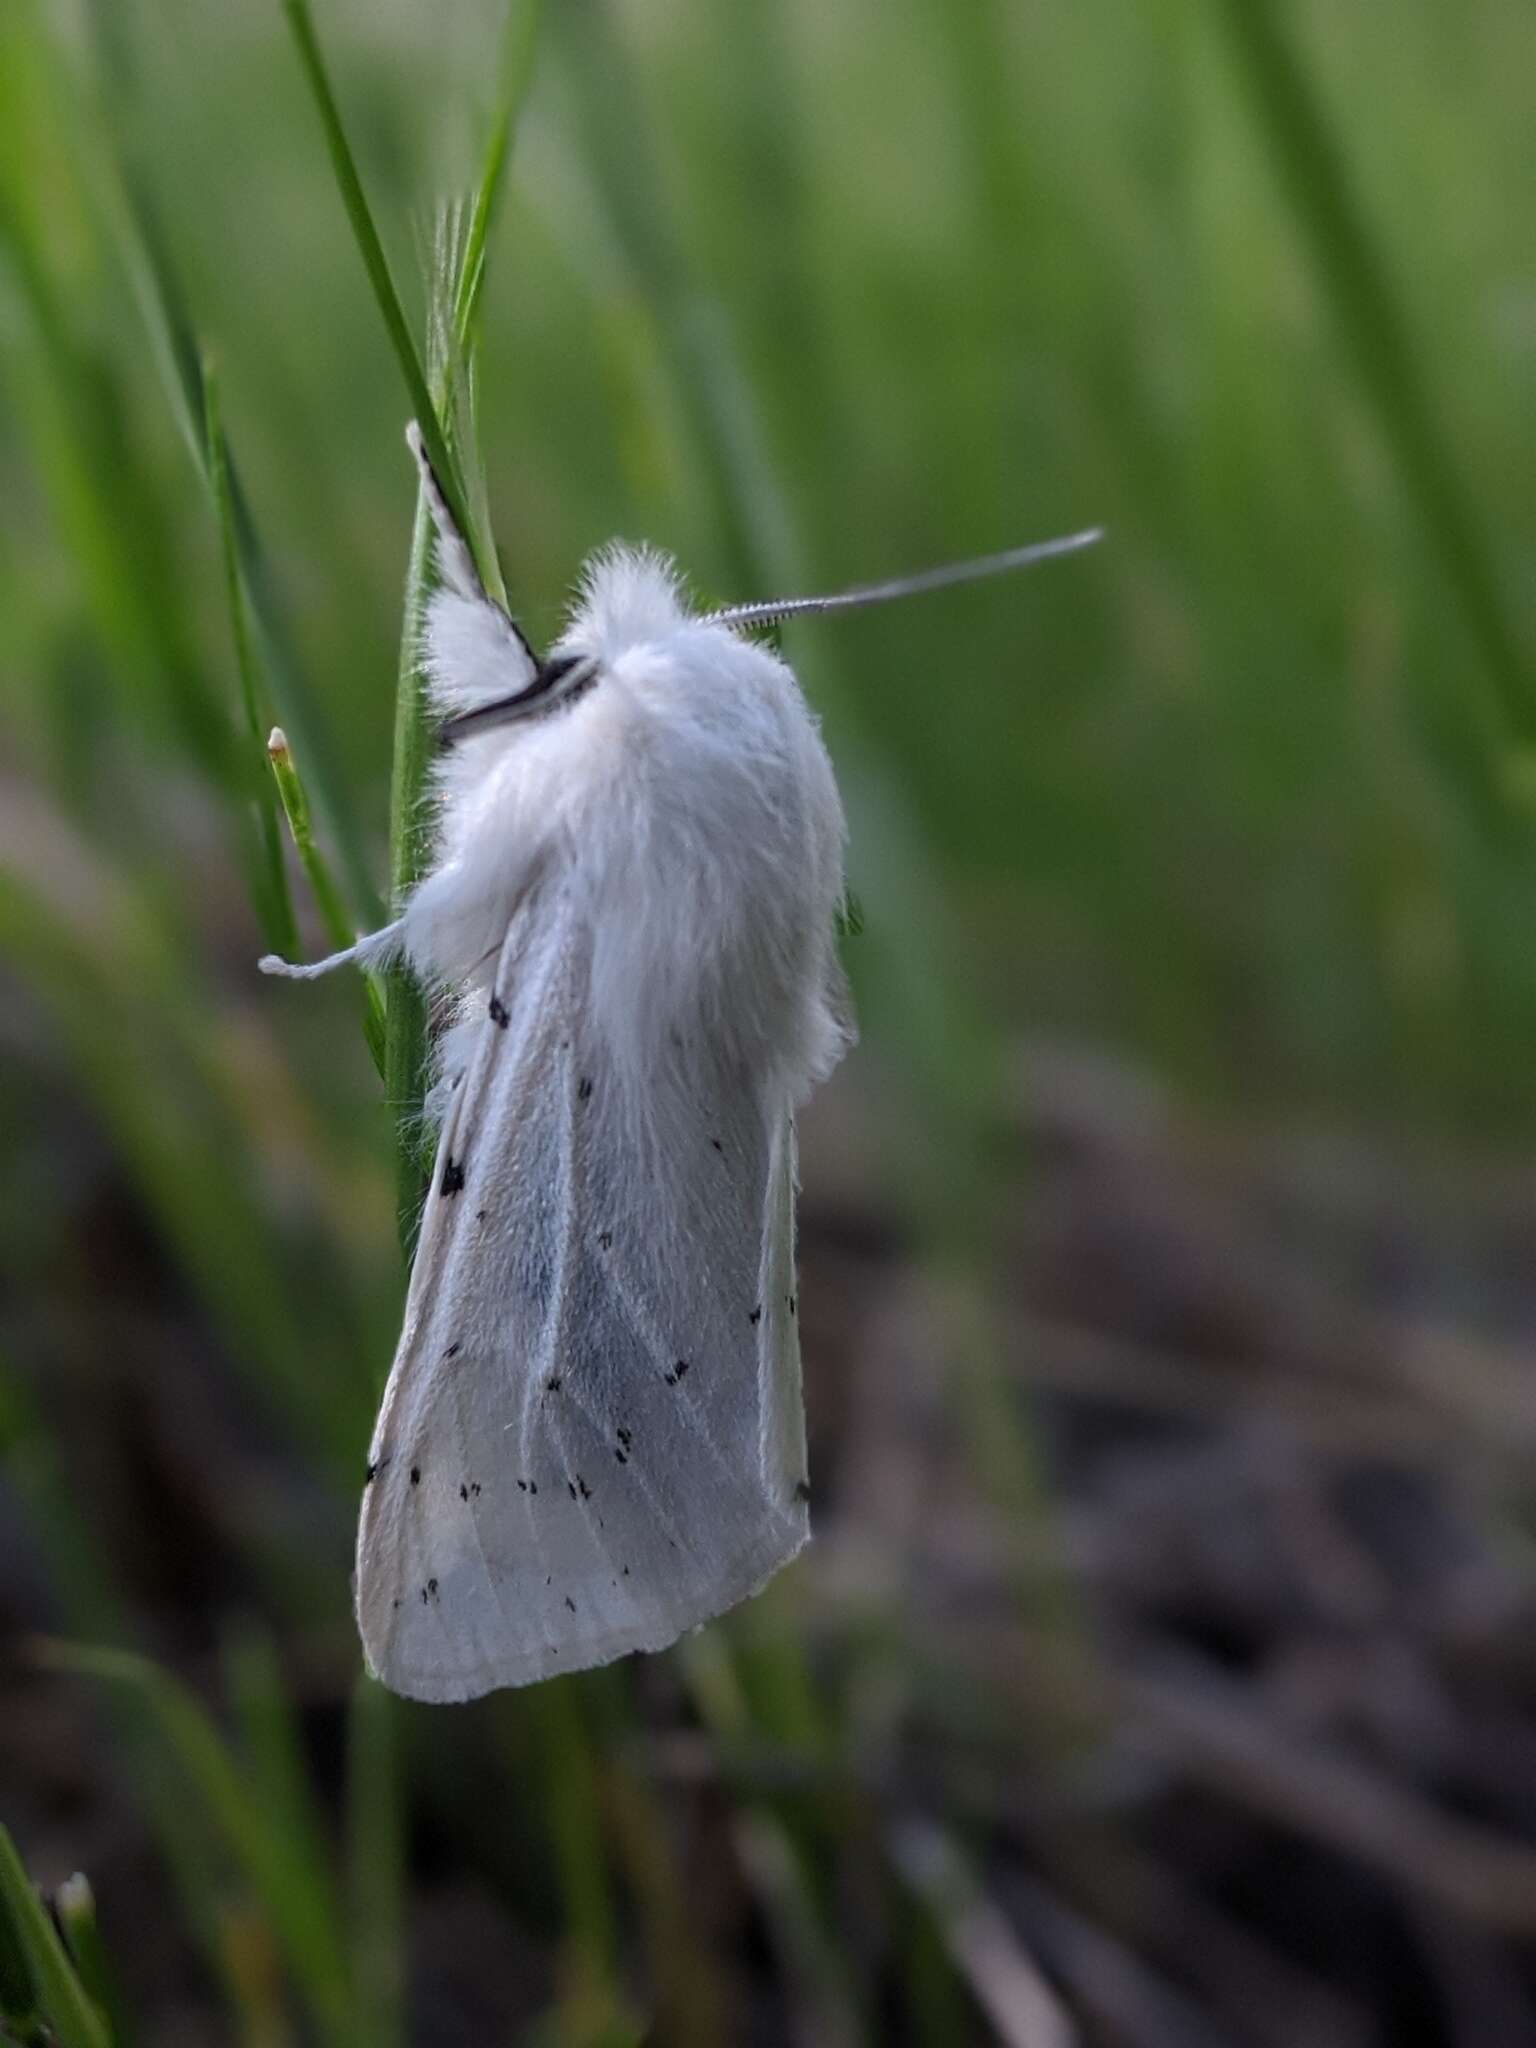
column 681, row 814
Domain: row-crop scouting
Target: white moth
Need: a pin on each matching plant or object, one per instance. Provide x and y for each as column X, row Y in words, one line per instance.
column 592, row 1438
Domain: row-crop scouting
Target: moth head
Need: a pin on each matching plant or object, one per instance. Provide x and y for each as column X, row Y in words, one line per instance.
column 558, row 679
column 627, row 598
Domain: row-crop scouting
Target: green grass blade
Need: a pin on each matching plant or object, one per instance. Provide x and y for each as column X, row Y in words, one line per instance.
column 573, row 1817
column 519, row 49
column 376, row 264
column 1358, row 284
column 75, row 2022
column 690, row 2000
column 333, row 911
column 376, row 1876
column 294, row 800
column 186, row 1732
column 77, row 413
column 405, row 1015
column 163, row 309
column 294, row 1870
column 268, row 875
column 36, row 1478
column 141, row 1044
column 18, row 1994
column 75, row 1904
column 255, row 1833
column 779, row 1850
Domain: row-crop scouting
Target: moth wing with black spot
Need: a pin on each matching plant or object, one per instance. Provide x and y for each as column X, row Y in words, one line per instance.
column 592, row 1439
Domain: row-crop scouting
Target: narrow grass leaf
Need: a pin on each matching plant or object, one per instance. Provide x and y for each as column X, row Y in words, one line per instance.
column 18, row 1994
column 573, row 1816
column 519, row 50
column 333, row 912
column 251, row 1830
column 778, row 1854
column 163, row 308
column 74, row 2020
column 301, row 1892
column 691, row 2000
column 269, row 874
column 376, row 1876
column 1357, row 281
column 142, row 1045
column 75, row 1904
column 410, row 838
column 76, row 412
column 375, row 263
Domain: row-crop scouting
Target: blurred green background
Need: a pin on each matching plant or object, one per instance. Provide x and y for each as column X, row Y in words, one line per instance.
column 1196, row 986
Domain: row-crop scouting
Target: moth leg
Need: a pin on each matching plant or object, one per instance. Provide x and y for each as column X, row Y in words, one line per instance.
column 370, row 951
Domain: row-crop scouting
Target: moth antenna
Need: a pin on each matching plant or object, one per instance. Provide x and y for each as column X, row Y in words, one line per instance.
column 765, row 614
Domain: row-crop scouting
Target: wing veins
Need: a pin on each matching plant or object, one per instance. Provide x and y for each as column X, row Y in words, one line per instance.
column 643, row 1327
column 569, row 1152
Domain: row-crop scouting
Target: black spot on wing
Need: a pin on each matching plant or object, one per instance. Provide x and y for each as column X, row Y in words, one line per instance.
column 584, row 1088
column 552, row 1385
column 453, row 1351
column 453, row 1177
column 501, row 1016
column 802, row 1489
column 756, row 1316
column 415, row 1475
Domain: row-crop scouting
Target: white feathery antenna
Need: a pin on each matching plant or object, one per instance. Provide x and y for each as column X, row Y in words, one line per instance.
column 906, row 586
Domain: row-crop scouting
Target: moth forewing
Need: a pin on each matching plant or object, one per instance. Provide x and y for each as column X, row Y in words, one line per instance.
column 592, row 1436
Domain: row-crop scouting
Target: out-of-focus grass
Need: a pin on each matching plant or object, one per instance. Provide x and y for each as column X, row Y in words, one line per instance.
column 807, row 295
